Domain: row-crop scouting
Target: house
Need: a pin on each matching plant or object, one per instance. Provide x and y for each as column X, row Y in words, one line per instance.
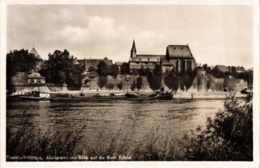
column 119, row 64
column 240, row 70
column 178, row 58
column 35, row 78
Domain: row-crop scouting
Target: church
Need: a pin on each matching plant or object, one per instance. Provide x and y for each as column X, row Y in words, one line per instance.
column 177, row 57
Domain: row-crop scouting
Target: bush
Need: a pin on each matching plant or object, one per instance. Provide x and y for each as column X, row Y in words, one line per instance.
column 229, row 136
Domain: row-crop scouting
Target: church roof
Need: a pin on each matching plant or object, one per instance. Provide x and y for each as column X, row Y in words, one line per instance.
column 178, row 51
column 33, row 51
column 146, row 58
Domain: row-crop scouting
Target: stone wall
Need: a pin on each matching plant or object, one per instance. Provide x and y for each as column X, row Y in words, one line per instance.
column 204, row 82
column 112, row 82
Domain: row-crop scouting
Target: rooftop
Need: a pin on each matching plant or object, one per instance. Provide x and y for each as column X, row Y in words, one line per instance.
column 178, row 51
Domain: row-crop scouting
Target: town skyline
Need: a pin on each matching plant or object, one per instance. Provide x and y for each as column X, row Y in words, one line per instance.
column 91, row 31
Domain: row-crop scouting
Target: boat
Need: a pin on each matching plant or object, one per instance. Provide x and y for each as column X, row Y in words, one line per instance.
column 131, row 95
column 37, row 94
column 158, row 95
column 34, row 98
column 162, row 96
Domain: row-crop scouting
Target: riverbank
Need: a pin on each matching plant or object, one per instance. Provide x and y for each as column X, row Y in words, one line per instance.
column 119, row 93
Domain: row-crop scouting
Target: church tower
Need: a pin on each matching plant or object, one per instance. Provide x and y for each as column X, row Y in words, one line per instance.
column 133, row 51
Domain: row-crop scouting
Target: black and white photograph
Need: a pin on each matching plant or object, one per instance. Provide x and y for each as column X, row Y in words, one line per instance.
column 130, row 82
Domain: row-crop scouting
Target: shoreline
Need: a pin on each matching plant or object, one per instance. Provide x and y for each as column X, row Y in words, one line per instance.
column 119, row 94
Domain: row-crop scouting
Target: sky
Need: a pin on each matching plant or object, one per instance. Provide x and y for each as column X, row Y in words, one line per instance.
column 216, row 34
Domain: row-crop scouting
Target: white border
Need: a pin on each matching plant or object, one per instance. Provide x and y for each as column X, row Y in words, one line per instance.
column 255, row 163
column 136, row 2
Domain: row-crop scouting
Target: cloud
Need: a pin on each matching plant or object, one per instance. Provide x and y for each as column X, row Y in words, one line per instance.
column 103, row 34
column 108, row 31
column 89, row 39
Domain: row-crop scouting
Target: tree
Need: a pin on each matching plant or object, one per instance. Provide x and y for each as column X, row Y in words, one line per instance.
column 154, row 80
column 172, row 80
column 133, row 86
column 125, row 68
column 91, row 69
column 102, row 80
column 61, row 68
column 134, row 72
column 157, row 70
column 102, row 69
column 109, row 86
column 114, row 70
column 120, row 85
column 139, row 82
column 19, row 61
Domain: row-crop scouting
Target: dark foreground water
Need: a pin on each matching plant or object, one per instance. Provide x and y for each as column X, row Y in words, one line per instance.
column 104, row 120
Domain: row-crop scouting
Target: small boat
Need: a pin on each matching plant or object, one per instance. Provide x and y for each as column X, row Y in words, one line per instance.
column 131, row 95
column 34, row 98
column 162, row 96
column 37, row 94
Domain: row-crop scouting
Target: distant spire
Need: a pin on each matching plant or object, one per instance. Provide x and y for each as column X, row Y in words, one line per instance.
column 133, row 51
column 33, row 51
column 133, row 47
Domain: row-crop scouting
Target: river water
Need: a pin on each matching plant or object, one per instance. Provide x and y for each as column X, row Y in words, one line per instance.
column 104, row 119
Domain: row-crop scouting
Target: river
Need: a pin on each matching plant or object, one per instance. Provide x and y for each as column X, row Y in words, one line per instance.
column 104, row 119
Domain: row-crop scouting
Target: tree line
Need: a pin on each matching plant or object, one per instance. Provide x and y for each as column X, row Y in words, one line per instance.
column 247, row 75
column 62, row 67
